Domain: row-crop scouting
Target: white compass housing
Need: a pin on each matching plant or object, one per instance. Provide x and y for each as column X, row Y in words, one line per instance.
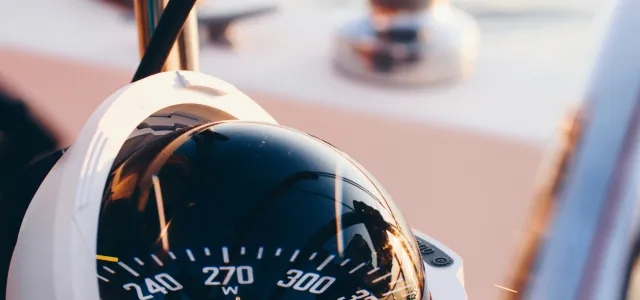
column 55, row 255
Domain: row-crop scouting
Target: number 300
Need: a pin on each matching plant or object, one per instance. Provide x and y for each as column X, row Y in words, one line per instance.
column 312, row 282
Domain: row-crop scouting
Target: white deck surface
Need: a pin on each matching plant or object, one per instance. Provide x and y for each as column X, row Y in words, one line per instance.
column 534, row 58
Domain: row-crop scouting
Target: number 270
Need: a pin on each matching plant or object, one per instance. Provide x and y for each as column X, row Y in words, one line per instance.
column 244, row 274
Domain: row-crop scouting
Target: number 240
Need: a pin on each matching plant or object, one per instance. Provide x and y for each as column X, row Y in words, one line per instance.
column 164, row 279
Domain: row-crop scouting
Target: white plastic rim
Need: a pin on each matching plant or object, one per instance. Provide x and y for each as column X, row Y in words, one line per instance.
column 54, row 257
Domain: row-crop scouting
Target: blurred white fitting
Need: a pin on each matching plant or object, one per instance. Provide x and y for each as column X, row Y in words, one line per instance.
column 409, row 47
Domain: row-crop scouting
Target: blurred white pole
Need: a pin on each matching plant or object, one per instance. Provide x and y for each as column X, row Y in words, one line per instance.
column 586, row 250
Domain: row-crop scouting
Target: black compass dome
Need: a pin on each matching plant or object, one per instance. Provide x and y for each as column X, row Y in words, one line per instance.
column 250, row 210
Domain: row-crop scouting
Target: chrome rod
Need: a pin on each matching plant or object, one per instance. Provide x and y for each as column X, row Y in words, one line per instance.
column 188, row 44
column 585, row 252
column 185, row 53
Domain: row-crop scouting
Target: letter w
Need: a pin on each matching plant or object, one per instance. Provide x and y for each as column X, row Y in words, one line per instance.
column 232, row 289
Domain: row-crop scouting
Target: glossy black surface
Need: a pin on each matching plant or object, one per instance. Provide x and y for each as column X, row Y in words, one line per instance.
column 265, row 197
column 410, row 5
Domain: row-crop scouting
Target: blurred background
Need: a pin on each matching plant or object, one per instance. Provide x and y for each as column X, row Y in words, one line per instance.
column 459, row 154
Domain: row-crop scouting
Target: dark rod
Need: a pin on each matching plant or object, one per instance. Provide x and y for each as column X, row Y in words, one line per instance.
column 169, row 27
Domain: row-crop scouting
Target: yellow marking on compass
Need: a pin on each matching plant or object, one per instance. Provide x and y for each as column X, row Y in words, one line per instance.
column 107, row 258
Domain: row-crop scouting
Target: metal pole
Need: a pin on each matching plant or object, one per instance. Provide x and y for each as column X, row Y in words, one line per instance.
column 185, row 53
column 585, row 252
column 188, row 44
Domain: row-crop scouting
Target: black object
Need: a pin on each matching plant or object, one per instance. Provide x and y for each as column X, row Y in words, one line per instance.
column 255, row 196
column 169, row 27
column 401, row 5
column 22, row 138
column 400, row 35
